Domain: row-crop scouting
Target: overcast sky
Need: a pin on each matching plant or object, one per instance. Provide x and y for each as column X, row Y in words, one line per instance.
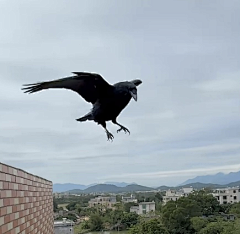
column 187, row 118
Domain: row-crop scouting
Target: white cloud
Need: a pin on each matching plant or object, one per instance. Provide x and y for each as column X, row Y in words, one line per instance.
column 224, row 83
column 177, row 173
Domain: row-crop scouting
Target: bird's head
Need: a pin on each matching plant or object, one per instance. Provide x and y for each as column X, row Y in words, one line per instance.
column 132, row 87
column 133, row 92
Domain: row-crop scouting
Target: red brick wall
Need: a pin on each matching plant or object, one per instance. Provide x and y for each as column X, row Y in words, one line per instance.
column 26, row 202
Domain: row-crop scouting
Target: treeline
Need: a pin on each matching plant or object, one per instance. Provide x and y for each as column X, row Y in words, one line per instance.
column 199, row 213
column 82, row 201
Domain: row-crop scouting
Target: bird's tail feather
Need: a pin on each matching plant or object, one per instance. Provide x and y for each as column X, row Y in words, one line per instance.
column 86, row 117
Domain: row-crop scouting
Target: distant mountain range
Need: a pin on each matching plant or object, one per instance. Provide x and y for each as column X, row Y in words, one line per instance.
column 59, row 188
column 109, row 188
column 199, row 185
column 219, row 178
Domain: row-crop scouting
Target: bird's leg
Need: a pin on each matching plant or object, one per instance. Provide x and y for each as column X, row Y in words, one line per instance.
column 109, row 134
column 121, row 127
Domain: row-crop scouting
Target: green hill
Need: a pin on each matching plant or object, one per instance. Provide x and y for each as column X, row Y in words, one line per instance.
column 109, row 188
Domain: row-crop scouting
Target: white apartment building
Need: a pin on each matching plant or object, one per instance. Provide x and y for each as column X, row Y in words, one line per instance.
column 107, row 202
column 129, row 199
column 173, row 195
column 143, row 208
column 227, row 195
column 186, row 191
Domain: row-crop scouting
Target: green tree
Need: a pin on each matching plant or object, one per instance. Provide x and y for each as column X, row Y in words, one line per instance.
column 96, row 222
column 220, row 226
column 212, row 228
column 152, row 226
column 198, row 223
column 71, row 217
column 86, row 225
column 114, row 216
column 158, row 197
column 207, row 203
column 235, row 209
column 55, row 205
column 177, row 215
column 71, row 206
column 229, row 228
column 118, row 198
column 225, row 208
column 119, row 206
column 135, row 230
column 236, row 227
column 130, row 219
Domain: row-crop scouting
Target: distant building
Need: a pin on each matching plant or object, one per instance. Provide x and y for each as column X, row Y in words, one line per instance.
column 134, row 209
column 64, row 222
column 186, row 191
column 173, row 195
column 107, row 202
column 129, row 199
column 64, row 226
column 143, row 208
column 227, row 195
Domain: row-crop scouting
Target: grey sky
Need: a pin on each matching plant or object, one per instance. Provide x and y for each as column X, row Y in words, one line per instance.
column 187, row 118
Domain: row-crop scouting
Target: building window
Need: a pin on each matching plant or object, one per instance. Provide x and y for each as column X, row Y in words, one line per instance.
column 235, row 197
column 224, row 197
column 234, row 191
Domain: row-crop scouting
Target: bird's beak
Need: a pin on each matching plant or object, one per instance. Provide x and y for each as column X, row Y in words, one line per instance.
column 134, row 95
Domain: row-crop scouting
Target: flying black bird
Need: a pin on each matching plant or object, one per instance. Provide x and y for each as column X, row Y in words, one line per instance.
column 107, row 100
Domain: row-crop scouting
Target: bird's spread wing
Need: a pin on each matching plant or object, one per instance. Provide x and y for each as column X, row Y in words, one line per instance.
column 88, row 85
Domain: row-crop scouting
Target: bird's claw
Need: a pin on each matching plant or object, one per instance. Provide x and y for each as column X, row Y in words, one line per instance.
column 124, row 129
column 110, row 136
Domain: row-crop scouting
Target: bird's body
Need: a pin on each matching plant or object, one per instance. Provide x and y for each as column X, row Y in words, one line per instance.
column 116, row 102
column 107, row 100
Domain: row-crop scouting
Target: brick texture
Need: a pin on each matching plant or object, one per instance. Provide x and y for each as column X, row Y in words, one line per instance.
column 26, row 202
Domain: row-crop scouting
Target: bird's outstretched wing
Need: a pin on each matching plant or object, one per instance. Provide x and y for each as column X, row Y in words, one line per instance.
column 88, row 85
